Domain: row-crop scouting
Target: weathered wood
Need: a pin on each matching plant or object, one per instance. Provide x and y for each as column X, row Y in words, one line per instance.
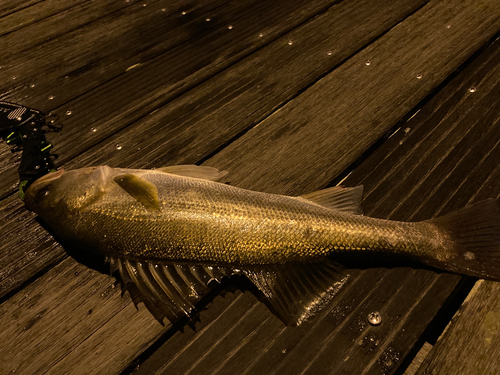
column 419, row 358
column 444, row 157
column 360, row 102
column 31, row 15
column 188, row 53
column 11, row 6
column 205, row 110
column 470, row 344
column 21, row 233
column 47, row 349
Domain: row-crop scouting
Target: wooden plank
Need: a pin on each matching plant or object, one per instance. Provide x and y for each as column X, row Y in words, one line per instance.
column 419, row 358
column 205, row 110
column 470, row 344
column 444, row 157
column 185, row 55
column 359, row 102
column 31, row 15
column 11, row 6
column 134, row 25
column 47, row 348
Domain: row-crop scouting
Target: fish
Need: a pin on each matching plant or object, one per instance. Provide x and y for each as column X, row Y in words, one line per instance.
column 171, row 232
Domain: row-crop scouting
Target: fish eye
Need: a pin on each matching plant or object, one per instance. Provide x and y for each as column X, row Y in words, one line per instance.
column 43, row 192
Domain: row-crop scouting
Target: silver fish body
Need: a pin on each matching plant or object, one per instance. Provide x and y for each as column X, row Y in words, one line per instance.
column 178, row 216
column 201, row 221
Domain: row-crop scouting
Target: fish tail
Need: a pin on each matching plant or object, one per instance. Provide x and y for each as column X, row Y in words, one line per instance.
column 475, row 234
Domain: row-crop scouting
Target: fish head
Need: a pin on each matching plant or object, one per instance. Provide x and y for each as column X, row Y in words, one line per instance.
column 63, row 192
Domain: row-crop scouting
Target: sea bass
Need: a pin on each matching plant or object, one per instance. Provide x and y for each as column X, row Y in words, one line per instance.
column 170, row 231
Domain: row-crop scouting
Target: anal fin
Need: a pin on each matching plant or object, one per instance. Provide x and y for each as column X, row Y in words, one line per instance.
column 296, row 292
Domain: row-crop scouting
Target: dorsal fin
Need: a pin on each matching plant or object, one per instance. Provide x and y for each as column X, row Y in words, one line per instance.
column 195, row 171
column 338, row 198
column 296, row 292
column 142, row 190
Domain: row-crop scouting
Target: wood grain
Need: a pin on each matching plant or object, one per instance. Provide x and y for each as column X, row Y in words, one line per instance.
column 470, row 343
column 47, row 349
column 11, row 6
column 31, row 15
column 359, row 103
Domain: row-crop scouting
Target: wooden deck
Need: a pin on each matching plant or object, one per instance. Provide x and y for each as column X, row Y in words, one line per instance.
column 290, row 97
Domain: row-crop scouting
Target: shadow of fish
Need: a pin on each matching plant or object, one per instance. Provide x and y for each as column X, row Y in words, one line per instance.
column 171, row 231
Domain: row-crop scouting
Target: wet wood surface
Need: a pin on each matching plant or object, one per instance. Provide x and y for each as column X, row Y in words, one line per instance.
column 289, row 98
column 474, row 330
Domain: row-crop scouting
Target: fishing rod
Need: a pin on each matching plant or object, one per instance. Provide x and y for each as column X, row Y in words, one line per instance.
column 25, row 129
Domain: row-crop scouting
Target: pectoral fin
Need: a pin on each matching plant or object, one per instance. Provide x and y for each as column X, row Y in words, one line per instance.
column 143, row 191
column 338, row 198
column 194, row 171
column 296, row 292
column 168, row 291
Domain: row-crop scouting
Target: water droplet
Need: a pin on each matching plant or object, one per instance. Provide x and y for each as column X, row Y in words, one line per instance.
column 13, row 77
column 51, row 97
column 19, row 118
column 368, row 62
column 76, row 273
column 283, row 351
column 144, row 5
column 448, row 26
column 208, row 19
column 183, row 12
column 261, row 35
column 118, row 147
column 230, row 27
column 68, row 113
column 93, row 130
column 374, row 318
column 419, row 76
column 37, row 167
column 329, row 53
column 290, row 42
column 32, row 85
column 472, row 89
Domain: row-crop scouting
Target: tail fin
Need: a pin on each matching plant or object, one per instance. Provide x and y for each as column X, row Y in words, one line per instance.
column 475, row 231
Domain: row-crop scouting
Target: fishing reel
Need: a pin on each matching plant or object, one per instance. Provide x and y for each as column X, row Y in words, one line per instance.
column 25, row 128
